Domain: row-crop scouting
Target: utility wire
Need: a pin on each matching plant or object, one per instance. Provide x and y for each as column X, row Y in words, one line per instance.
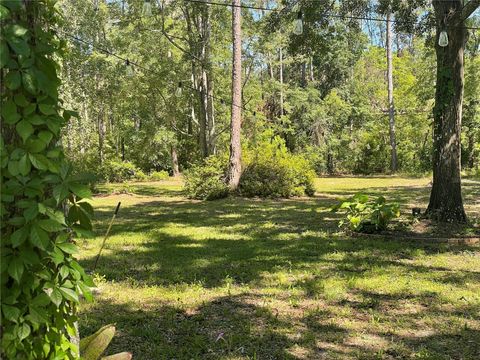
column 146, row 69
column 214, row 98
column 222, row 101
column 351, row 17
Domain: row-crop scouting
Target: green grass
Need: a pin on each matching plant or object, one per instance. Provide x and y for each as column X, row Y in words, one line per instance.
column 266, row 279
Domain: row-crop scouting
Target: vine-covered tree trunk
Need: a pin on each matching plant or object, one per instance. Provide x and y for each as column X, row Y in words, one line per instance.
column 235, row 166
column 446, row 202
column 41, row 280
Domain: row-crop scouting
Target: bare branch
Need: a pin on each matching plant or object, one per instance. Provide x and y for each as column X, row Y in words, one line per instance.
column 469, row 8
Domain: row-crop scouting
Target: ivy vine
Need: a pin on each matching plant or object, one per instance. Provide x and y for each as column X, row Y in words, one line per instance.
column 43, row 206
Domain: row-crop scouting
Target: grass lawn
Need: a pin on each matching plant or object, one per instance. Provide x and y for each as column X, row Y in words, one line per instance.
column 265, row 279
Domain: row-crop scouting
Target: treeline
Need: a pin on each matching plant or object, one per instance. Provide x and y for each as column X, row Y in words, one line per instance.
column 153, row 90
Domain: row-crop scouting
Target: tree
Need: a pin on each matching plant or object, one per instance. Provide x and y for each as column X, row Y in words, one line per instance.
column 446, row 202
column 391, row 107
column 235, row 165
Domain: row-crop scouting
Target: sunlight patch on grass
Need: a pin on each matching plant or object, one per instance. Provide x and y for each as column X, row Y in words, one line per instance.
column 250, row 278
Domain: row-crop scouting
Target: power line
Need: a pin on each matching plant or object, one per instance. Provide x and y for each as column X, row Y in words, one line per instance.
column 340, row 16
column 146, row 69
column 222, row 101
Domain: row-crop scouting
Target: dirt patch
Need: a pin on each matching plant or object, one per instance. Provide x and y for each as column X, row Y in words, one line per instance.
column 429, row 231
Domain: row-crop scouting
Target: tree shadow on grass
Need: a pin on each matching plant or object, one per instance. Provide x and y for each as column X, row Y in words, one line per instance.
column 220, row 329
column 240, row 327
column 185, row 242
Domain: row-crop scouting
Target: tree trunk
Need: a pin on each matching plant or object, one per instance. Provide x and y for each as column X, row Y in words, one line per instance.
column 175, row 169
column 211, row 115
column 446, row 202
column 235, row 165
column 391, row 107
column 101, row 135
column 203, row 117
column 198, row 25
column 470, row 149
column 304, row 74
column 281, row 82
column 311, row 69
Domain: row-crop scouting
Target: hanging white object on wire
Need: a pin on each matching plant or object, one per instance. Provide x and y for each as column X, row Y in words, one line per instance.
column 443, row 39
column 147, row 8
column 298, row 24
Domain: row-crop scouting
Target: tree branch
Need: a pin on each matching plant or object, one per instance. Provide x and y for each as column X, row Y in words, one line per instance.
column 469, row 8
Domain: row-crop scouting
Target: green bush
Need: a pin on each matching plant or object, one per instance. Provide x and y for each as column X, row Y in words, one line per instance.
column 205, row 181
column 119, row 171
column 159, row 175
column 365, row 215
column 317, row 158
column 140, row 176
column 275, row 172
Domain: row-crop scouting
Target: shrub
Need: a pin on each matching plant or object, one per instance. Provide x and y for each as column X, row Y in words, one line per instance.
column 275, row 172
column 205, row 181
column 159, row 175
column 140, row 176
column 118, row 171
column 365, row 215
column 316, row 157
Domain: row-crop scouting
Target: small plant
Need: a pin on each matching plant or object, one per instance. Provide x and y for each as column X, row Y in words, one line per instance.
column 93, row 346
column 366, row 215
column 159, row 175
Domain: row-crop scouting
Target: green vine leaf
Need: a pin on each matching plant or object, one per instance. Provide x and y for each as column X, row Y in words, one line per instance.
column 15, row 268
column 47, row 109
column 19, row 45
column 50, row 225
column 4, row 13
column 24, row 129
column 11, row 313
column 19, row 236
column 23, row 331
column 13, row 80
column 24, row 165
column 39, row 237
column 69, row 248
column 56, row 297
column 9, row 112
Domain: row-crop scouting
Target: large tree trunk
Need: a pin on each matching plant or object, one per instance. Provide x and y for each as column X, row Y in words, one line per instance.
column 391, row 107
column 235, row 165
column 446, row 202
